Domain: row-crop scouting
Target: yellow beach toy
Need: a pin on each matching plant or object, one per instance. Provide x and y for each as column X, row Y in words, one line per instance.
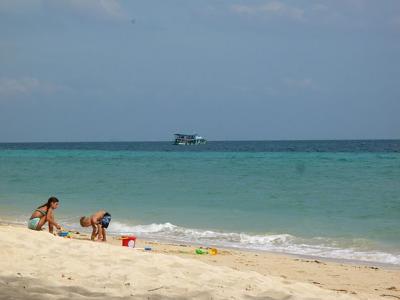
column 213, row 251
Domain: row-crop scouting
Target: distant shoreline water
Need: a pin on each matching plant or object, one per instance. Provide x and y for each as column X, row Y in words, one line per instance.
column 333, row 199
column 386, row 145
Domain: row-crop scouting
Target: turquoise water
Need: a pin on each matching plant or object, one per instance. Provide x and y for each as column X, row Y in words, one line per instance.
column 330, row 204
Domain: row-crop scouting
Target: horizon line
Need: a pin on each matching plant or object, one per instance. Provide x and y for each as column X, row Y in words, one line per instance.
column 229, row 140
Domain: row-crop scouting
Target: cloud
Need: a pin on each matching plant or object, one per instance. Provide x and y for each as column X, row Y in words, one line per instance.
column 273, row 8
column 302, row 83
column 20, row 6
column 11, row 87
column 344, row 14
column 356, row 4
column 105, row 9
column 99, row 9
column 320, row 8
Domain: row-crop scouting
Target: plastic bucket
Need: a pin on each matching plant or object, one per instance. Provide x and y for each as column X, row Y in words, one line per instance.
column 129, row 241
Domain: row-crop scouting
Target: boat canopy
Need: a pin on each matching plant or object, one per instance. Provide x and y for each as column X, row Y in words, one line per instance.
column 185, row 136
column 188, row 139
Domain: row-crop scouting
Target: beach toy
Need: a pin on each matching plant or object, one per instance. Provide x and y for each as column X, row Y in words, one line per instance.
column 64, row 233
column 201, row 251
column 129, row 241
column 213, row 251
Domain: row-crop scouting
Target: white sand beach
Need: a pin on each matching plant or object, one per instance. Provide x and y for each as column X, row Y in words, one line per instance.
column 37, row 265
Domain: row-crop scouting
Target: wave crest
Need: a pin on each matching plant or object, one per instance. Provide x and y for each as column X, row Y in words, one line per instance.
column 318, row 246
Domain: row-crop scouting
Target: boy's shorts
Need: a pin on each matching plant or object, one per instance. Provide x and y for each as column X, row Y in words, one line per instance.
column 106, row 220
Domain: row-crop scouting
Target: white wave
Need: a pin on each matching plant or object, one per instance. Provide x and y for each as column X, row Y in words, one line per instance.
column 120, row 228
column 286, row 243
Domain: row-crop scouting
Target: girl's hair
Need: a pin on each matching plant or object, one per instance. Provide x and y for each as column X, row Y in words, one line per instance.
column 49, row 202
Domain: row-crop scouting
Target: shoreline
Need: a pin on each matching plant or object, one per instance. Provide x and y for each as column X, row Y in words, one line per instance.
column 345, row 279
column 347, row 261
column 389, row 266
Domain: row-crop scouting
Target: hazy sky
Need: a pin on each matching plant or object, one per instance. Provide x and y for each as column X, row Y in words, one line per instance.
column 86, row 70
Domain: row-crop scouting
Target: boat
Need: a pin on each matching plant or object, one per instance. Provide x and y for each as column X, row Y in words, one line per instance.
column 188, row 139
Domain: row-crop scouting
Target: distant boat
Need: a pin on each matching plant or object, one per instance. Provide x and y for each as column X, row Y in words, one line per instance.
column 188, row 139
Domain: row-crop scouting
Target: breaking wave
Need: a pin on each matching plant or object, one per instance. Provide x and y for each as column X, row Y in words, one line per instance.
column 360, row 250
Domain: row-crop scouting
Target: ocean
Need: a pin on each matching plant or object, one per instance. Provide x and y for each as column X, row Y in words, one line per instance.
column 331, row 199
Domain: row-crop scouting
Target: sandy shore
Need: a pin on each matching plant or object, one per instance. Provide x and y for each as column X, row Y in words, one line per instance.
column 364, row 281
column 37, row 265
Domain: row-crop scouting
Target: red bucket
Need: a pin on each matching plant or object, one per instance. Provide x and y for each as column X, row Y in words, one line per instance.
column 129, row 241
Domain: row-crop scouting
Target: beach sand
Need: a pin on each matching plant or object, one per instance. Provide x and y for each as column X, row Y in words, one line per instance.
column 37, row 265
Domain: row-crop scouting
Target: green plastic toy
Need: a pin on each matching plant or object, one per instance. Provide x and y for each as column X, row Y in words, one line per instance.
column 201, row 251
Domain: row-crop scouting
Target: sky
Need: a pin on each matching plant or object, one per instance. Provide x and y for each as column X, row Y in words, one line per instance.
column 110, row 70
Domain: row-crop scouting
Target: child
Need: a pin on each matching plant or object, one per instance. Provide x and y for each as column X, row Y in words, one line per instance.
column 44, row 214
column 99, row 221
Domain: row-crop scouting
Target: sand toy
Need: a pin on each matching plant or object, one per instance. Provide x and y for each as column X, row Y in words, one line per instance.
column 128, row 241
column 211, row 251
column 67, row 234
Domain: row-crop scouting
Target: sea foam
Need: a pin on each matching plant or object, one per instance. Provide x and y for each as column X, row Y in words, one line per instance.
column 285, row 243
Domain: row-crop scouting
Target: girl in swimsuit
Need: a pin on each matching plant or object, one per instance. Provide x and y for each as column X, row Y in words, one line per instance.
column 44, row 213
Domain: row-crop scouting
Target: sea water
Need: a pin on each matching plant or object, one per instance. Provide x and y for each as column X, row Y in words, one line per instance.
column 335, row 199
